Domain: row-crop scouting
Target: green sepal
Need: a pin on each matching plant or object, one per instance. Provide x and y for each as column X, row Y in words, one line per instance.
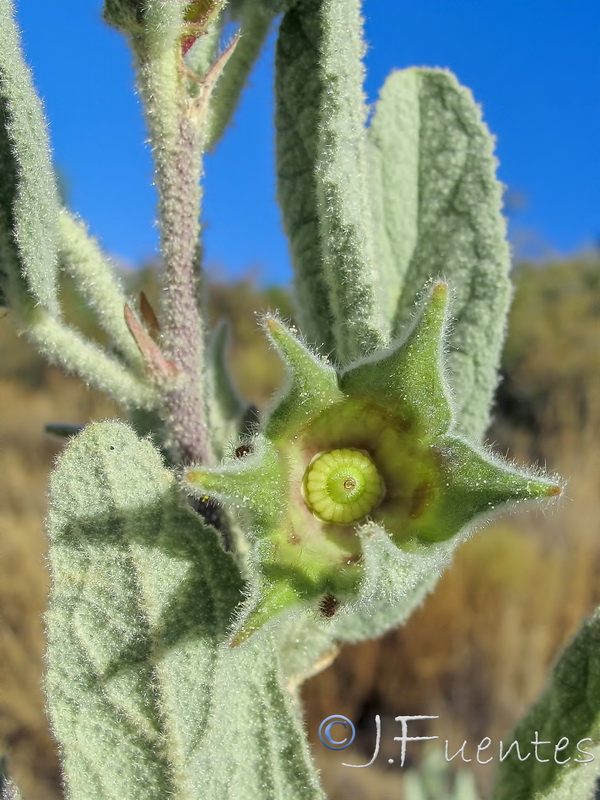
column 466, row 483
column 394, row 582
column 408, row 379
column 311, row 387
column 266, row 603
column 477, row 482
column 252, row 483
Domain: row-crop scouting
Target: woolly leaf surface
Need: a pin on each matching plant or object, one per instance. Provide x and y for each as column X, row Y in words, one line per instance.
column 460, row 233
column 322, row 170
column 29, row 203
column 143, row 687
column 568, row 709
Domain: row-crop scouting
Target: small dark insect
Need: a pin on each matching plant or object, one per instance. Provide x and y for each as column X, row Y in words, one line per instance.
column 242, row 450
column 328, row 605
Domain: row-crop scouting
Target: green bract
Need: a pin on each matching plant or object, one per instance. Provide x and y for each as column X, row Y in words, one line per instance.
column 374, row 442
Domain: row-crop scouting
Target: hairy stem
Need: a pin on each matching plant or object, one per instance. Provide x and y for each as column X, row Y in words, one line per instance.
column 176, row 136
column 183, row 335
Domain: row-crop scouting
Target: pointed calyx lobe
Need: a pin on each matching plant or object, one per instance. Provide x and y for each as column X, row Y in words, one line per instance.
column 372, row 443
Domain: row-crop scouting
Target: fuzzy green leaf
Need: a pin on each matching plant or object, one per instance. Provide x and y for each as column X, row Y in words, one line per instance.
column 135, row 16
column 569, row 709
column 8, row 788
column 254, row 745
column 96, row 279
column 322, row 173
column 225, row 408
column 431, row 124
column 146, row 697
column 124, row 14
column 62, row 344
column 128, row 636
column 393, row 138
column 29, row 203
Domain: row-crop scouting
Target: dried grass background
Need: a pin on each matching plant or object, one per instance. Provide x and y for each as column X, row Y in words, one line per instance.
column 476, row 653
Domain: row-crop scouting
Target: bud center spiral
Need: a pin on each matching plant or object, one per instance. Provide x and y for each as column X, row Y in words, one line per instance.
column 342, row 485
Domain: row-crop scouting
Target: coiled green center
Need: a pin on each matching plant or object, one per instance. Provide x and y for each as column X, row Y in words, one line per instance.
column 342, row 485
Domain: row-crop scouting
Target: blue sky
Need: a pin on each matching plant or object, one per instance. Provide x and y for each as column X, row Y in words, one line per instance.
column 533, row 66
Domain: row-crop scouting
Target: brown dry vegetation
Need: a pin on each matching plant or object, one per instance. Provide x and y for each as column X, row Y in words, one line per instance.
column 478, row 650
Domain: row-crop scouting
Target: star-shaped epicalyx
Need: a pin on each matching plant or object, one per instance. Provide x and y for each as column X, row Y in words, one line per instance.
column 372, row 442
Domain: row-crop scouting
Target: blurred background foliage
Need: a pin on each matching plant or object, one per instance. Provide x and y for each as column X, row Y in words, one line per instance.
column 475, row 654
